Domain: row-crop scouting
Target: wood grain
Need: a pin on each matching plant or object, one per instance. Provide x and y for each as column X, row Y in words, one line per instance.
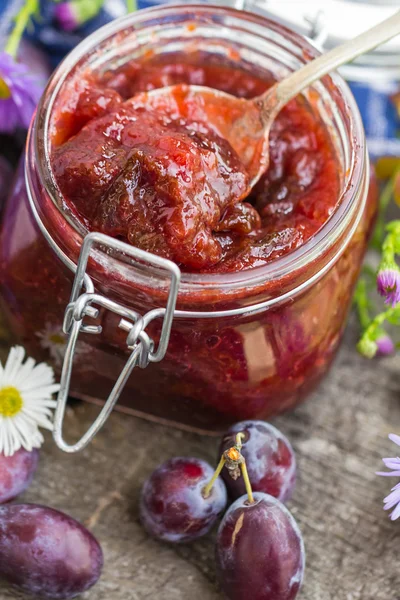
column 339, row 436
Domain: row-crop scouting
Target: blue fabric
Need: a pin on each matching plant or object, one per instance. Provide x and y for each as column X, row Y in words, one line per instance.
column 49, row 37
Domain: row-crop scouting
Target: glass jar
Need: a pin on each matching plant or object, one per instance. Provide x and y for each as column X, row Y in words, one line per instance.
column 242, row 345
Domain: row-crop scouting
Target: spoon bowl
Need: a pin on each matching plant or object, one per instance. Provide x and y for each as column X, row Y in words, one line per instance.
column 246, row 124
column 239, row 121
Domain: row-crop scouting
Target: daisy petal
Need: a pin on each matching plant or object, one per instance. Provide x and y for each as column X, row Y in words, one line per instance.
column 391, row 463
column 26, row 402
column 394, row 438
column 393, row 497
column 396, row 513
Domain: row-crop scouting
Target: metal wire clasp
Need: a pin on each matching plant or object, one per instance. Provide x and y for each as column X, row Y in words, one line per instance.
column 86, row 305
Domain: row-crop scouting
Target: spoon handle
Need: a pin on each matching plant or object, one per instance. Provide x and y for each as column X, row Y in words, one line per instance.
column 289, row 87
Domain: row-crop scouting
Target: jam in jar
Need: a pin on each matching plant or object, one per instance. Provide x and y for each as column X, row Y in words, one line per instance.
column 267, row 274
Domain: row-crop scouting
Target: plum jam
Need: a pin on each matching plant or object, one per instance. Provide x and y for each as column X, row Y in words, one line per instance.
column 170, row 185
column 267, row 274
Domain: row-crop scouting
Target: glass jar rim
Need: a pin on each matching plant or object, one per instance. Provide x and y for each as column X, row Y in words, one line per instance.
column 251, row 278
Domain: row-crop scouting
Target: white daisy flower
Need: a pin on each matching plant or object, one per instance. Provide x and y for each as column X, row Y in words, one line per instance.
column 26, row 391
column 54, row 340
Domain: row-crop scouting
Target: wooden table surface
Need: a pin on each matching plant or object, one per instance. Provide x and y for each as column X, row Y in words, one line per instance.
column 340, row 435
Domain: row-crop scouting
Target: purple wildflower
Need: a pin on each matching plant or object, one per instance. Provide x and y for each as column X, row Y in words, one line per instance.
column 388, row 284
column 393, row 500
column 19, row 94
column 67, row 16
column 385, row 345
column 73, row 14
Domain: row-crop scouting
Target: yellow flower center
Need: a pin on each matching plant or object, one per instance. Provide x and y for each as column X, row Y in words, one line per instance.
column 5, row 91
column 57, row 338
column 10, row 401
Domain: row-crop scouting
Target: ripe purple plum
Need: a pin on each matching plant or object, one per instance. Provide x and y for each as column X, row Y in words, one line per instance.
column 270, row 460
column 47, row 553
column 173, row 506
column 16, row 473
column 260, row 551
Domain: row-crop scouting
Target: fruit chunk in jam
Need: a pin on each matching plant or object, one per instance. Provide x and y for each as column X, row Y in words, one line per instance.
column 170, row 185
column 164, row 185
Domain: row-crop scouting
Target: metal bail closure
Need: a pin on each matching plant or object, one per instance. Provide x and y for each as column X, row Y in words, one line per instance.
column 142, row 348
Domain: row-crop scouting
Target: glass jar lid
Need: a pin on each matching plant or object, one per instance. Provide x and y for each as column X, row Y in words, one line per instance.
column 336, row 20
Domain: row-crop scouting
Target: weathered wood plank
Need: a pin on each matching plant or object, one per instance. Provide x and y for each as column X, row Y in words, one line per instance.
column 339, row 435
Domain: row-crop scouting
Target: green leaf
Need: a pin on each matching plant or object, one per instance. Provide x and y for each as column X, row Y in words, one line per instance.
column 396, row 188
column 22, row 20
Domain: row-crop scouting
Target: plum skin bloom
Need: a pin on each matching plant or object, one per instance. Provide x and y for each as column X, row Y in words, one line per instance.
column 19, row 94
column 388, row 284
column 393, row 499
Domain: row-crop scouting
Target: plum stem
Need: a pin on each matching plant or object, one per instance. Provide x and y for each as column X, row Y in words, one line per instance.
column 246, row 480
column 207, row 490
column 232, row 462
column 245, row 474
column 239, row 438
